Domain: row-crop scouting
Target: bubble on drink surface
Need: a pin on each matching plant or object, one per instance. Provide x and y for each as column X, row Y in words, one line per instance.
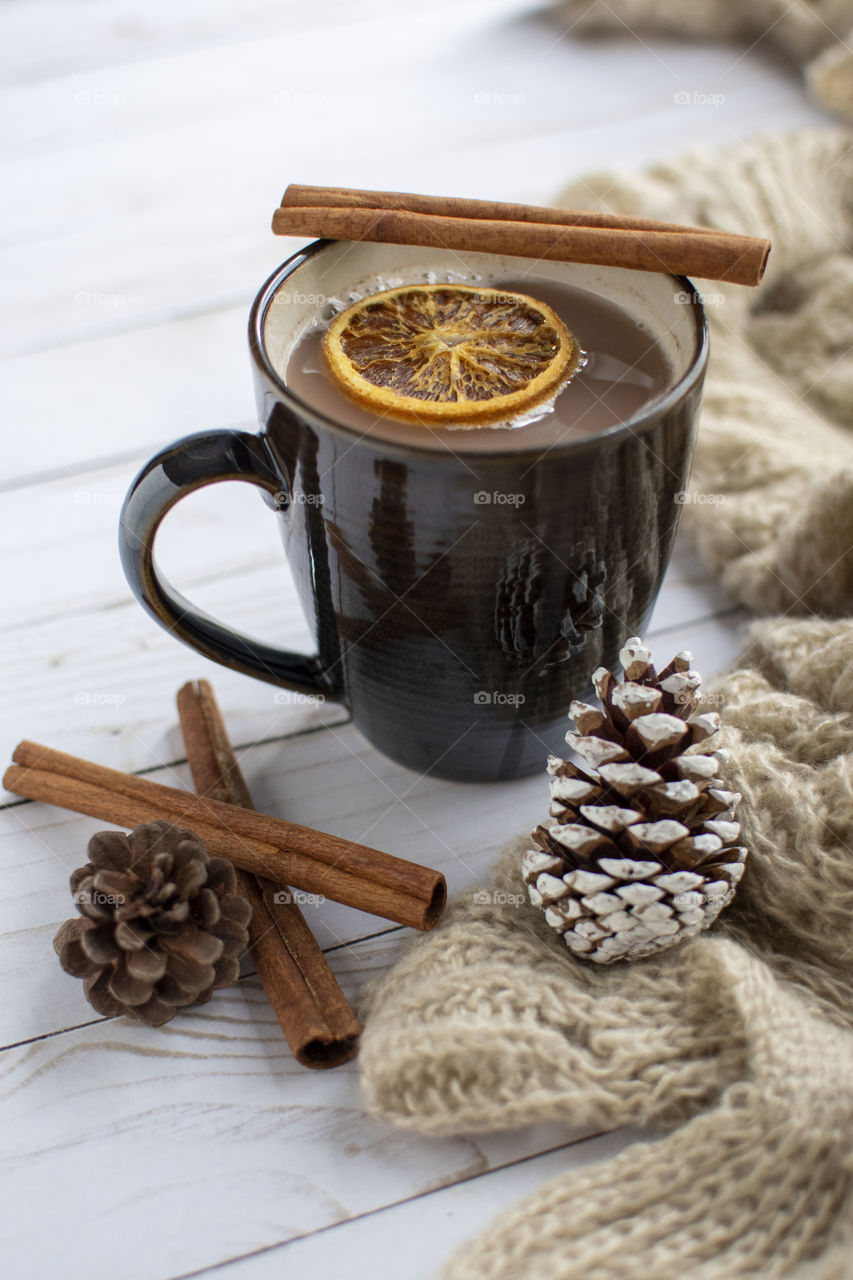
column 330, row 310
column 448, row 277
column 461, row 277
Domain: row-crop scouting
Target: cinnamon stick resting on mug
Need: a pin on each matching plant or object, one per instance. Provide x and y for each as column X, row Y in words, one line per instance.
column 311, row 1008
column 314, row 861
column 562, row 235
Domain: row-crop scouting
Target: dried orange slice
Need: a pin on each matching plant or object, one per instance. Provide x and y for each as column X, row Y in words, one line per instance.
column 448, row 354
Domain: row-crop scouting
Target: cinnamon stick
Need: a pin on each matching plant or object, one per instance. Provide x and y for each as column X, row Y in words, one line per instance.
column 692, row 252
column 298, row 195
column 312, row 1010
column 314, row 861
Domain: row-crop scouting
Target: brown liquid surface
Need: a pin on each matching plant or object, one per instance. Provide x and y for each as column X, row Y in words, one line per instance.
column 625, row 369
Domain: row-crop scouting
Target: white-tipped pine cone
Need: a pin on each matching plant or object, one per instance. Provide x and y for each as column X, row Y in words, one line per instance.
column 639, row 851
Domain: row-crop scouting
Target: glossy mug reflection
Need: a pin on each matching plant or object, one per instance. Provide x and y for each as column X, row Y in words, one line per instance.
column 461, row 584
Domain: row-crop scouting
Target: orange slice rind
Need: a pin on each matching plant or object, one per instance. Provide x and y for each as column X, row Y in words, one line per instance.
column 450, row 355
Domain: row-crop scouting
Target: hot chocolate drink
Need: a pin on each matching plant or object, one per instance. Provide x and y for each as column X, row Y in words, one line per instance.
column 623, row 368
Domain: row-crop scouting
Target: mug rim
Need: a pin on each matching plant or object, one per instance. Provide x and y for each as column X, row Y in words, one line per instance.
column 639, row 422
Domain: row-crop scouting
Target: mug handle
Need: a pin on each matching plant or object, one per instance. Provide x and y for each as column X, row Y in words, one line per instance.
column 189, row 464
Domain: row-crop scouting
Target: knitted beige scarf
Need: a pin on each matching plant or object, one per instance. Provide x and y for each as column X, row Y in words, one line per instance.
column 774, row 463
column 817, row 34
column 741, row 1040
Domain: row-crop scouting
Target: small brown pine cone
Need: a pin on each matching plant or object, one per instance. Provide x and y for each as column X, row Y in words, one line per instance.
column 640, row 849
column 162, row 925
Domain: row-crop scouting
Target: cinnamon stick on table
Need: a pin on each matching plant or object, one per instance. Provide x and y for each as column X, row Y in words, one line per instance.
column 522, row 231
column 289, row 854
column 313, row 1011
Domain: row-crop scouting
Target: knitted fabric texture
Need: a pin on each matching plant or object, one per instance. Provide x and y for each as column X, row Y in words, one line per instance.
column 817, row 35
column 743, row 1036
column 772, row 486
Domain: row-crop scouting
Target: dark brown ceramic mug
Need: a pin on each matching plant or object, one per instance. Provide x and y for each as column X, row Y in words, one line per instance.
column 456, row 628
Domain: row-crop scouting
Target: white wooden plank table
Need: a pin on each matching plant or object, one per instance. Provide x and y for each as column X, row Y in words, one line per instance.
column 144, row 150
